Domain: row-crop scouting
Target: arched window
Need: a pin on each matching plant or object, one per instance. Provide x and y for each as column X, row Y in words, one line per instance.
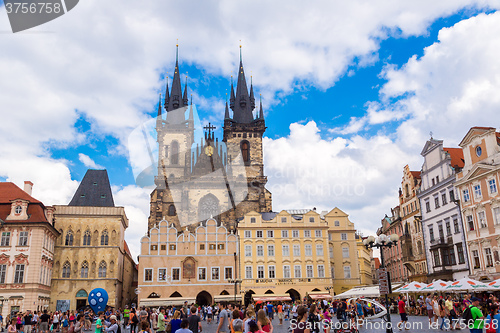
column 84, row 271
column 245, row 151
column 86, row 237
column 174, row 157
column 171, row 210
column 66, row 271
column 208, row 207
column 104, row 238
column 102, row 269
column 69, row 238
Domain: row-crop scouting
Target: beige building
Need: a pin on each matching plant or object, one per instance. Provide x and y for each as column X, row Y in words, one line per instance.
column 177, row 265
column 91, row 251
column 477, row 186
column 365, row 257
column 26, row 250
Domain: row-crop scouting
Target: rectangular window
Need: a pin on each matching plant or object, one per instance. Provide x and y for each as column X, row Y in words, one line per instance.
column 202, row 273
column 448, row 228
column 470, row 222
column 295, row 233
column 19, row 274
column 228, row 273
column 308, row 250
column 260, row 250
column 446, row 258
column 477, row 191
column 343, row 236
column 284, row 233
column 260, row 272
column 283, row 220
column 3, row 273
column 286, row 251
column 331, row 251
column 163, row 247
column 162, row 274
column 286, row 272
column 452, row 195
column 307, row 233
column 272, row 272
column 329, row 236
column 202, row 247
column 148, row 274
column 171, row 247
column 23, row 238
column 309, row 271
column 248, row 250
column 431, row 233
column 270, row 250
column 482, row 219
column 220, row 246
column 248, row 272
column 321, row 271
column 319, row 250
column 5, row 239
column 436, row 202
column 311, row 219
column 296, row 251
column 466, row 196
column 440, row 230
column 270, row 234
column 475, row 256
column 154, row 247
column 259, row 234
column 248, row 233
column 427, row 206
column 437, row 261
column 443, row 198
column 337, row 223
column 345, row 252
column 460, row 253
column 215, row 273
column 347, row 272
column 489, row 257
column 332, row 272
column 176, row 274
column 453, row 260
column 455, row 225
column 437, row 179
column 318, row 233
column 492, row 185
column 297, row 271
column 496, row 215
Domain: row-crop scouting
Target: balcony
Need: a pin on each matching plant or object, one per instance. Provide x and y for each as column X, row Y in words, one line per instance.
column 441, row 242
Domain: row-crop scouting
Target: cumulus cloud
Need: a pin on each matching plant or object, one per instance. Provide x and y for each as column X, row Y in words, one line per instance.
column 88, row 162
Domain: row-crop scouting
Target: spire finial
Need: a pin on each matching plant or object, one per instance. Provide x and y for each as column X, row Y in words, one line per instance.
column 191, row 99
column 241, row 58
column 177, row 51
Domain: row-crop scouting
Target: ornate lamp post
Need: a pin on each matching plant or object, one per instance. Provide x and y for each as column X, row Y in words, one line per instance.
column 380, row 242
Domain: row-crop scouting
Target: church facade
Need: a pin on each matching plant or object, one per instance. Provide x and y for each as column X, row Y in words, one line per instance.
column 209, row 178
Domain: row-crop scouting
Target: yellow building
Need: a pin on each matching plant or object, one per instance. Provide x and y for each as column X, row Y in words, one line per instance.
column 177, row 265
column 91, row 251
column 284, row 253
column 343, row 252
column 365, row 257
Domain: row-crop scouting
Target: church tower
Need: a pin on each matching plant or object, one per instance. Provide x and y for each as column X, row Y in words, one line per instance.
column 243, row 136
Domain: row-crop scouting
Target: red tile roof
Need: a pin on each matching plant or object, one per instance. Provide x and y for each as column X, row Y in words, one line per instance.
column 10, row 191
column 377, row 263
column 457, row 157
column 415, row 174
column 482, row 128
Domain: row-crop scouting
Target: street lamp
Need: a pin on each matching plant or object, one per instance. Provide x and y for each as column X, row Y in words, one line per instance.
column 380, row 242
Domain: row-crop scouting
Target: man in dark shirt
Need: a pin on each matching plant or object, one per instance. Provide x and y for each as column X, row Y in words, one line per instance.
column 28, row 322
column 44, row 322
column 194, row 321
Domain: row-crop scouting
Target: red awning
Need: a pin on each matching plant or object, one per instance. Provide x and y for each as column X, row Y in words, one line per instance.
column 321, row 296
column 271, row 298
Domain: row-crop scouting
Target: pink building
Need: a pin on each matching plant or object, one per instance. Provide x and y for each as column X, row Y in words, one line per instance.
column 26, row 250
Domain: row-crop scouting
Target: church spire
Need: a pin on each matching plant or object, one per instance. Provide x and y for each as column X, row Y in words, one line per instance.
column 242, row 107
column 252, row 98
column 159, row 107
column 226, row 114
column 185, row 97
column 191, row 118
column 166, row 95
column 231, row 98
column 261, row 113
column 175, row 98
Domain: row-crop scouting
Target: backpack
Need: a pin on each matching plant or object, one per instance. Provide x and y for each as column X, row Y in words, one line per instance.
column 135, row 320
column 467, row 316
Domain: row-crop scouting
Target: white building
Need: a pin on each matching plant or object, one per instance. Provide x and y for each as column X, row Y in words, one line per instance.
column 444, row 239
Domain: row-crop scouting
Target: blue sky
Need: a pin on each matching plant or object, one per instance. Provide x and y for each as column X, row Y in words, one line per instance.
column 350, row 95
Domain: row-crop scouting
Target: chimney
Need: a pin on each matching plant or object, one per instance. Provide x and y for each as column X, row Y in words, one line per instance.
column 28, row 186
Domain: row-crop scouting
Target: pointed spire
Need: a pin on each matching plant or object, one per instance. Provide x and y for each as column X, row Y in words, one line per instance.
column 174, row 101
column 252, row 98
column 226, row 114
column 185, row 98
column 159, row 106
column 261, row 113
column 242, row 105
column 191, row 117
column 232, row 98
column 167, row 97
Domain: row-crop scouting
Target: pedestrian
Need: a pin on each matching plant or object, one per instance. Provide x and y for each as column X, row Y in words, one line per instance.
column 126, row 316
column 477, row 316
column 492, row 320
column 250, row 315
column 12, row 327
column 175, row 323
column 44, row 322
column 280, row 312
column 161, row 321
column 80, row 324
column 402, row 313
column 301, row 322
column 223, row 318
column 112, row 326
column 184, row 327
column 263, row 322
column 99, row 322
column 209, row 313
column 134, row 320
column 28, row 322
column 194, row 321
column 236, row 320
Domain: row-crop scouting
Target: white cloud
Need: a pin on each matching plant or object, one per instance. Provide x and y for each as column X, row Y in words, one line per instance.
column 88, row 162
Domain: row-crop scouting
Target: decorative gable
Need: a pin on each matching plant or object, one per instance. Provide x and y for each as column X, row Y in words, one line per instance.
column 18, row 210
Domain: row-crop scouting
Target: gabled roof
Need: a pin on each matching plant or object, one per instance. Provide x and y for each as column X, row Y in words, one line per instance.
column 430, row 145
column 457, row 157
column 9, row 192
column 94, row 190
column 415, row 174
column 471, row 131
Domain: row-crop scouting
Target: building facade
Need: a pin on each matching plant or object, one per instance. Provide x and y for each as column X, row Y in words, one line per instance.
column 91, row 251
column 477, row 185
column 412, row 240
column 177, row 265
column 365, row 257
column 444, row 237
column 197, row 181
column 26, row 250
column 393, row 260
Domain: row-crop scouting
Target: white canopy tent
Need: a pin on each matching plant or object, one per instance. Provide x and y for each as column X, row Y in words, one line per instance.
column 368, row 291
column 467, row 284
column 412, row 287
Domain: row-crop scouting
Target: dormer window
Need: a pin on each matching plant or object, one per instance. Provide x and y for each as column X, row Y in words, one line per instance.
column 18, row 210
